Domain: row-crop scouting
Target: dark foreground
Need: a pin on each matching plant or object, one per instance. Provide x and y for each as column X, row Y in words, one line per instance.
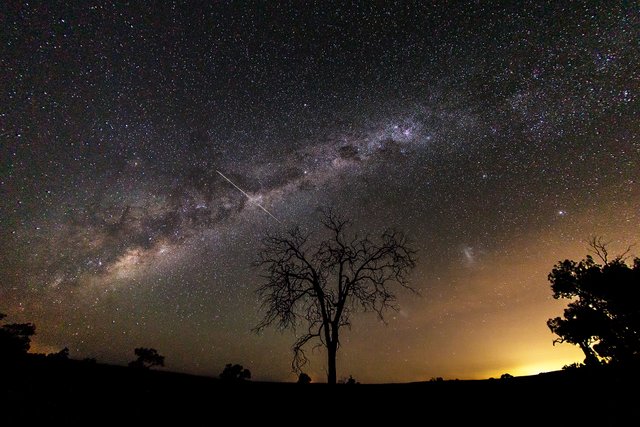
column 79, row 393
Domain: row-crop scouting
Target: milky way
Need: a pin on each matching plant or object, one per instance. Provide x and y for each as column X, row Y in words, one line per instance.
column 499, row 138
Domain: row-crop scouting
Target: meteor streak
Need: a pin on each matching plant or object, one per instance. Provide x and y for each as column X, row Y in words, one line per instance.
column 249, row 197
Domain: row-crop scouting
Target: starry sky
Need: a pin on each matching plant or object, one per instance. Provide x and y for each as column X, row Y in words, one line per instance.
column 499, row 136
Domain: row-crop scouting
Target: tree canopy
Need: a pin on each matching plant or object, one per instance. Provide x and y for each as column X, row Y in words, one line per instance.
column 603, row 317
column 15, row 339
column 147, row 358
column 235, row 373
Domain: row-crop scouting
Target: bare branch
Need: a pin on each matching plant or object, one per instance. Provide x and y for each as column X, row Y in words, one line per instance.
column 624, row 256
column 598, row 247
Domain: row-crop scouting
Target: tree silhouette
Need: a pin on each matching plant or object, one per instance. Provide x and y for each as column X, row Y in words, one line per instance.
column 603, row 318
column 320, row 285
column 147, row 358
column 304, row 378
column 235, row 373
column 15, row 339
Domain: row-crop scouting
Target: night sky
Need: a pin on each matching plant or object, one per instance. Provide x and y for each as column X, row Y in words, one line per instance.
column 500, row 138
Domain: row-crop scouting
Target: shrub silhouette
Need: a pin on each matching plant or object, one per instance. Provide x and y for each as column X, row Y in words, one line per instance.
column 147, row 358
column 15, row 339
column 235, row 373
column 304, row 378
column 351, row 381
column 61, row 355
column 575, row 365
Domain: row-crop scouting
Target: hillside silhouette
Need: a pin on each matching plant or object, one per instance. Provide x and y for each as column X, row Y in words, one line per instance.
column 71, row 392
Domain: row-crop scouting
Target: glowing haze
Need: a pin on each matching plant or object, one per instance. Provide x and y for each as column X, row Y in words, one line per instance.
column 499, row 138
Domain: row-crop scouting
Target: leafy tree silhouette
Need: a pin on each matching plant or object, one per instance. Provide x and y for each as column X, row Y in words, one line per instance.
column 235, row 373
column 319, row 286
column 147, row 358
column 603, row 318
column 304, row 378
column 15, row 339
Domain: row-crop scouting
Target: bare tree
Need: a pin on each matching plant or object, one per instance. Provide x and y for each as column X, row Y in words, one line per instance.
column 318, row 286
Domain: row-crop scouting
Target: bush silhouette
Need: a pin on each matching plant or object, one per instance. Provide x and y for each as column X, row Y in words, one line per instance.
column 304, row 378
column 147, row 358
column 575, row 365
column 235, row 373
column 15, row 339
column 61, row 355
column 352, row 380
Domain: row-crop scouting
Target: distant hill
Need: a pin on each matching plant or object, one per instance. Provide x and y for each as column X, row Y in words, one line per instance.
column 70, row 392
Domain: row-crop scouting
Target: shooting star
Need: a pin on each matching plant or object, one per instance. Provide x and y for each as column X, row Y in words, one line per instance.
column 249, row 197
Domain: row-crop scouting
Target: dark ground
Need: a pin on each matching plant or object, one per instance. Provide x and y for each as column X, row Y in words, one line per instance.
column 82, row 393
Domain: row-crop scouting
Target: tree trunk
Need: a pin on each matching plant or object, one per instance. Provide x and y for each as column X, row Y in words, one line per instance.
column 590, row 359
column 331, row 362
